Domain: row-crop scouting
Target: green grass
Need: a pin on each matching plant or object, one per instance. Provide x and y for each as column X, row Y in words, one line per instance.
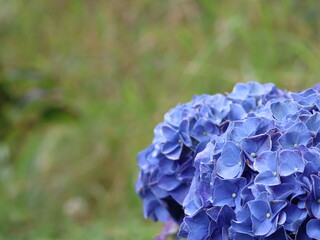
column 107, row 71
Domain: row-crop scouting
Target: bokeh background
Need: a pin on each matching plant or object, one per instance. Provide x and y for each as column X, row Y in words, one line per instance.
column 84, row 82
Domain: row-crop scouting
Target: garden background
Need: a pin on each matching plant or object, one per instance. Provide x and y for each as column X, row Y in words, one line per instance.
column 84, row 82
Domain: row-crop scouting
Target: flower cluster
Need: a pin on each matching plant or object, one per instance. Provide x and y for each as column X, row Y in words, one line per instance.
column 241, row 166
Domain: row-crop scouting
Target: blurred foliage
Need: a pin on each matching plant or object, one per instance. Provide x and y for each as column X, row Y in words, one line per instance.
column 83, row 83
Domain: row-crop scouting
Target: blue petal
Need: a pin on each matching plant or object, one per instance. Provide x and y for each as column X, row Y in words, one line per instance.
column 283, row 190
column 168, row 132
column 240, row 91
column 198, row 226
column 180, row 193
column 316, row 186
column 280, row 234
column 175, row 115
column 316, row 87
column 193, row 201
column 290, row 162
column 213, row 213
column 261, row 228
column 204, row 129
column 265, row 126
column 257, row 89
column 185, row 138
column 305, row 98
column 295, row 135
column 218, row 110
column 313, row 156
column 153, row 209
column 246, row 193
column 147, row 158
column 282, row 218
column 276, row 207
column 186, row 171
column 160, row 214
column 225, row 216
column 313, row 228
column 317, row 102
column 223, row 190
column 313, row 123
column 267, row 178
column 184, row 133
column 315, row 208
column 281, row 109
column 230, row 164
column 236, row 112
column 154, row 177
column 244, row 129
column 259, row 209
column 172, row 150
column 267, row 161
column 184, row 126
column 183, row 230
column 249, row 104
column 159, row 192
column 168, row 166
column 256, row 144
column 241, row 226
column 168, row 182
column 295, row 217
column 170, row 146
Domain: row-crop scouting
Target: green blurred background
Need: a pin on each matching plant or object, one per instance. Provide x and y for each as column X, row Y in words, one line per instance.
column 83, row 83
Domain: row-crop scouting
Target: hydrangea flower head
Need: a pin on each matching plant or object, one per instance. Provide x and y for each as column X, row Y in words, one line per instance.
column 241, row 166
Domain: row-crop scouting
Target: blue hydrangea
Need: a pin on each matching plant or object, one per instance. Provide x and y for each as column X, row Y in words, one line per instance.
column 241, row 166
